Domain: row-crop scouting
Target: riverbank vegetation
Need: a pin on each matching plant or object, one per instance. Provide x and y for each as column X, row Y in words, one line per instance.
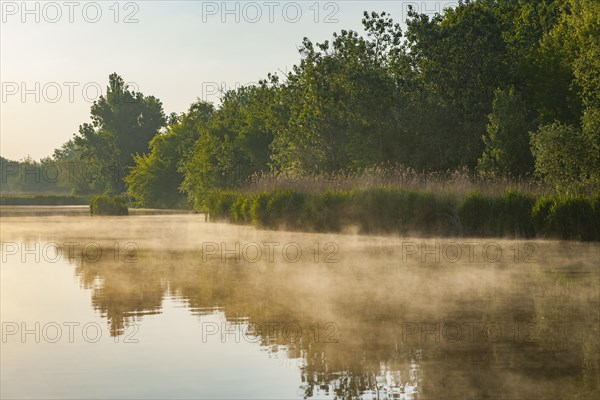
column 43, row 200
column 408, row 212
column 445, row 113
column 108, row 205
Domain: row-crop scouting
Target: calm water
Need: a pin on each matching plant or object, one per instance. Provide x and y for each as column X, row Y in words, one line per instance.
column 157, row 306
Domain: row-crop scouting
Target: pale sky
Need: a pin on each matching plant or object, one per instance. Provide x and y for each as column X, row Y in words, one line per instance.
column 52, row 68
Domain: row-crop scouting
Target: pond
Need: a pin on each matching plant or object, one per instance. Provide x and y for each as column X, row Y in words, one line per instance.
column 171, row 306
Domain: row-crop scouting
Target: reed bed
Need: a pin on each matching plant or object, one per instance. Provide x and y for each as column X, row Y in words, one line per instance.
column 393, row 210
column 458, row 182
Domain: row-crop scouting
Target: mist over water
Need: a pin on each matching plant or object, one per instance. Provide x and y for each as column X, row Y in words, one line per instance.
column 190, row 309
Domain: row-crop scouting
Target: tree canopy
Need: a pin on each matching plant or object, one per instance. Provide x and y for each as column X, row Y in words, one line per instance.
column 503, row 88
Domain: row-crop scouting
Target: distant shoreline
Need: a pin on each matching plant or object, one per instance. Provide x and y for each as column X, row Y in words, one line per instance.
column 43, row 200
column 34, row 210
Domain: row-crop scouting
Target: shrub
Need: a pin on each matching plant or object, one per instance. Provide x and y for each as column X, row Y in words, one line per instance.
column 572, row 217
column 258, row 210
column 513, row 212
column 427, row 212
column 286, row 208
column 564, row 156
column 506, row 215
column 249, row 200
column 218, row 204
column 108, row 205
column 240, row 209
column 540, row 215
column 329, row 211
column 474, row 213
column 506, row 150
column 236, row 210
column 377, row 210
column 393, row 210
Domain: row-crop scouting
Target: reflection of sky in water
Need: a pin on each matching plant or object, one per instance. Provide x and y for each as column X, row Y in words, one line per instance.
column 175, row 325
column 169, row 360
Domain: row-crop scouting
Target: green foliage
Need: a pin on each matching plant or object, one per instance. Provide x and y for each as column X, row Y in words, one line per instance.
column 218, row 205
column 406, row 212
column 105, row 204
column 155, row 179
column 385, row 210
column 241, row 209
column 564, row 156
column 233, row 144
column 400, row 211
column 591, row 136
column 258, row 210
column 572, row 217
column 123, row 123
column 568, row 156
column 507, row 141
column 285, row 208
column 330, row 211
column 423, row 98
column 83, row 175
column 514, row 214
column 506, row 215
column 340, row 100
column 474, row 211
column 30, row 176
column 539, row 214
column 575, row 39
column 43, row 200
column 461, row 58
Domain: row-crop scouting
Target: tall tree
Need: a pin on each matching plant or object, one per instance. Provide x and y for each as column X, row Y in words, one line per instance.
column 342, row 101
column 155, row 179
column 460, row 58
column 123, row 123
column 507, row 152
column 234, row 143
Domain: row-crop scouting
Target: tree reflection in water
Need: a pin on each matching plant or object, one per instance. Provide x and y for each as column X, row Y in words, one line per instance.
column 358, row 319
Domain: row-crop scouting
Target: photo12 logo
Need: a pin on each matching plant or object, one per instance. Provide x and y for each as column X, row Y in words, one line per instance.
column 253, row 12
column 65, row 332
column 270, row 252
column 469, row 332
column 469, row 252
column 429, row 8
column 54, row 92
column 53, row 12
column 214, row 91
column 68, row 171
column 53, row 252
column 287, row 332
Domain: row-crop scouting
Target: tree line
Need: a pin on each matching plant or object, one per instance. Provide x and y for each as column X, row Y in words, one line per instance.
column 503, row 88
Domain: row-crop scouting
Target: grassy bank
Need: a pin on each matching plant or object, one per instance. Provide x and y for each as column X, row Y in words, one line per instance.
column 43, row 200
column 404, row 211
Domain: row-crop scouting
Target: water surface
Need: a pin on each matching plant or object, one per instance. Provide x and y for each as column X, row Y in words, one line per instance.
column 157, row 306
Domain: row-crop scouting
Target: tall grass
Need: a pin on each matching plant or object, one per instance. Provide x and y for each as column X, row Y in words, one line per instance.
column 458, row 182
column 401, row 211
column 573, row 217
column 219, row 205
column 388, row 210
column 509, row 214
